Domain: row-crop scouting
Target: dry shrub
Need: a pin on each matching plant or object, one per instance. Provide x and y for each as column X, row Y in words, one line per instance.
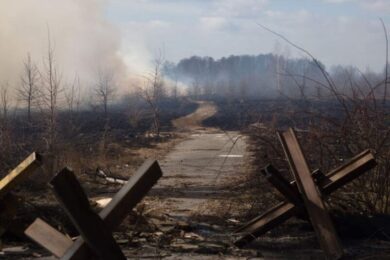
column 332, row 130
column 335, row 121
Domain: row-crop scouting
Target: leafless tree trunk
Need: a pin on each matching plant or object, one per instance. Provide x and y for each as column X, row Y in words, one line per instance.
column 387, row 62
column 73, row 95
column 49, row 99
column 4, row 99
column 4, row 130
column 175, row 87
column 105, row 90
column 28, row 90
column 195, row 88
column 153, row 92
column 52, row 90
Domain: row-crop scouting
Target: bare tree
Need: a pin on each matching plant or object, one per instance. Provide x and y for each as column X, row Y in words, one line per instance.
column 73, row 95
column 4, row 99
column 28, row 90
column 195, row 88
column 153, row 92
column 50, row 94
column 169, row 69
column 105, row 90
column 387, row 60
column 5, row 133
column 175, row 89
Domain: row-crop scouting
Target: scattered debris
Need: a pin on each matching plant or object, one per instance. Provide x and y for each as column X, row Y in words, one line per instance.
column 15, row 250
column 100, row 173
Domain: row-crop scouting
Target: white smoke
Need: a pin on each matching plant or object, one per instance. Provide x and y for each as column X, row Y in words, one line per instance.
column 84, row 41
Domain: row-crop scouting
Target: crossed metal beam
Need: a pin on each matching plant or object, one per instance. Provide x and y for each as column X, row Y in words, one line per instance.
column 8, row 201
column 95, row 229
column 304, row 196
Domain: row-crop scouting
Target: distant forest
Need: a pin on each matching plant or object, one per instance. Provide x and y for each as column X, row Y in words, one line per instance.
column 263, row 76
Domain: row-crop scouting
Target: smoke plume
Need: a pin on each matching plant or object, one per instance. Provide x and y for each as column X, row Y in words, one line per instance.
column 84, row 42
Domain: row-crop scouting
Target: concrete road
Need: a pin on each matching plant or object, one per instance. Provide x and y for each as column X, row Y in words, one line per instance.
column 198, row 169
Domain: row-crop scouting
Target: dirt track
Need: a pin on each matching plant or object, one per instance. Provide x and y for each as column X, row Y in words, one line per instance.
column 193, row 121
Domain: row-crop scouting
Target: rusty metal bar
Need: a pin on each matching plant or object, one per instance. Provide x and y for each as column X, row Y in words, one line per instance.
column 314, row 204
column 91, row 227
column 8, row 209
column 356, row 166
column 265, row 222
column 20, row 173
column 118, row 208
column 48, row 237
column 282, row 185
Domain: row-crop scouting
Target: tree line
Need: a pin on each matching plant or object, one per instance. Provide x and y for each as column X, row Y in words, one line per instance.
column 264, row 76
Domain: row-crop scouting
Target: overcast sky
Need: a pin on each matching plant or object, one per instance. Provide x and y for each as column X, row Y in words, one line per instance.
column 335, row 31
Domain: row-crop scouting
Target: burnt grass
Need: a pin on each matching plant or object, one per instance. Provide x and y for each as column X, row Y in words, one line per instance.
column 86, row 140
column 87, row 128
column 238, row 114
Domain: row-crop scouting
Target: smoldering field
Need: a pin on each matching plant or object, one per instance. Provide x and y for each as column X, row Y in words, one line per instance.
column 68, row 93
column 64, row 82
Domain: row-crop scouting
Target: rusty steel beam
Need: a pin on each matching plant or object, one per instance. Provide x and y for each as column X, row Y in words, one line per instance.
column 112, row 215
column 92, row 228
column 254, row 228
column 282, row 185
column 9, row 202
column 121, row 204
column 265, row 222
column 346, row 173
column 8, row 209
column 20, row 173
column 315, row 206
column 48, row 237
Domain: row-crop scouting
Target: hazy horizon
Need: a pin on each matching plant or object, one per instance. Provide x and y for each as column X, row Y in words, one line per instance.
column 125, row 36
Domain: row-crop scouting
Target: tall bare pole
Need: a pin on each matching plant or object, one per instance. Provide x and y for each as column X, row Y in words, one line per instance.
column 387, row 61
